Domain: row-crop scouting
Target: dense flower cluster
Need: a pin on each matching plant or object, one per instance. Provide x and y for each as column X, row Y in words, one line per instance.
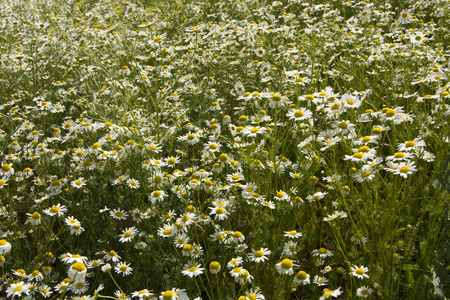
column 190, row 150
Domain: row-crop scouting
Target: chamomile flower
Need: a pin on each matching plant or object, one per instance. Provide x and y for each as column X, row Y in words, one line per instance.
column 293, row 234
column 214, row 267
column 360, row 272
column 322, row 253
column 157, row 196
column 77, row 272
column 404, row 169
column 128, row 234
column 56, row 210
column 112, row 256
column 320, row 281
column 79, row 287
column 235, row 262
column 79, row 183
column 299, row 114
column 133, row 183
column 192, row 270
column 285, row 267
column 330, row 293
column 123, row 268
column 142, row 294
column 302, row 278
column 290, row 248
column 5, row 247
column 364, row 292
column 18, row 289
column 259, row 255
column 118, row 214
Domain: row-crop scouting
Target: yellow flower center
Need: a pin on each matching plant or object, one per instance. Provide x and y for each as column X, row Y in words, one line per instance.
column 157, row 194
column 192, row 269
column 301, row 275
column 366, row 174
column 254, row 130
column 286, row 264
column 343, row 125
column 366, row 139
column 322, row 251
column 364, row 149
column 276, row 97
column 54, row 209
column 167, row 231
column 219, row 210
column 18, row 288
column 6, row 168
column 168, row 295
column 299, row 114
column 358, row 155
column 191, row 137
column 390, row 113
column 410, row 144
column 404, row 169
column 360, row 271
column 127, row 234
column 79, row 267
column 259, row 253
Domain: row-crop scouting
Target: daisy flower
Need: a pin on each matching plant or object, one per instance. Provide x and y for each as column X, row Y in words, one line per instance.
column 235, row 262
column 214, row 267
column 330, row 293
column 413, row 145
column 192, row 138
column 157, row 196
column 112, row 256
column 363, row 292
column 56, row 210
column 360, row 272
column 118, row 214
column 281, row 196
column 316, row 196
column 5, row 247
column 358, row 238
column 286, row 266
column 128, row 234
column 45, row 291
column 259, row 255
column 192, row 270
column 343, row 127
column 320, row 281
column 142, row 294
column 302, row 278
column 293, row 234
column 79, row 183
column 77, row 272
column 277, row 100
column 253, row 131
column 290, row 248
column 219, row 213
column 322, row 253
column 365, row 174
column 133, row 183
column 299, row 114
column 79, row 287
column 17, row 289
column 235, row 177
column 167, row 230
column 123, row 268
column 404, row 169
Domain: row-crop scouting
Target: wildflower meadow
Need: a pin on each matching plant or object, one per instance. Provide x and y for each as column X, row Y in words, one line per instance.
column 224, row 149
